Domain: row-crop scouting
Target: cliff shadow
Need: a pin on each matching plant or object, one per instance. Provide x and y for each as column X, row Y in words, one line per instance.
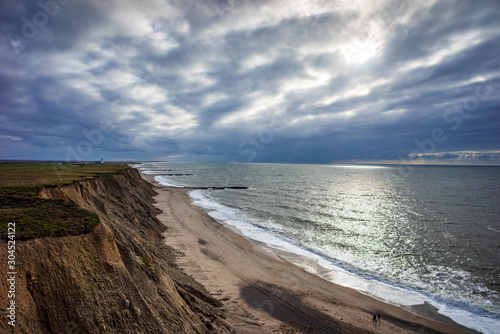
column 287, row 307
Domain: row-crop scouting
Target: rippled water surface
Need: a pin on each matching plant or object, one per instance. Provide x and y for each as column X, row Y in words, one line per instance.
column 431, row 230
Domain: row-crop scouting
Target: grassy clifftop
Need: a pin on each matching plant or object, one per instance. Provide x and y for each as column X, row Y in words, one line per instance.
column 20, row 185
column 120, row 277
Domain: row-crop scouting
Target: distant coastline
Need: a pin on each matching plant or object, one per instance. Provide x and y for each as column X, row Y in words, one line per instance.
column 393, row 163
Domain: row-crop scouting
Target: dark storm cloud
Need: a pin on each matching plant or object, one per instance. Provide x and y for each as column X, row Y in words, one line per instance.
column 290, row 81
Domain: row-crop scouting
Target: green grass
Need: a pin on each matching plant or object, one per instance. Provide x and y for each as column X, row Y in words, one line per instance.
column 35, row 217
column 36, row 174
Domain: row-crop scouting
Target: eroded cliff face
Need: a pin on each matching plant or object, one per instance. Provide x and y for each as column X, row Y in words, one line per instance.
column 119, row 278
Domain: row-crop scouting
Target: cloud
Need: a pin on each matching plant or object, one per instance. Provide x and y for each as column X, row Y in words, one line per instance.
column 10, row 138
column 460, row 157
column 347, row 80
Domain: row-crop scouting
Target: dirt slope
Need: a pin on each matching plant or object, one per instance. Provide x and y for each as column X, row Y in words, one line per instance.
column 119, row 278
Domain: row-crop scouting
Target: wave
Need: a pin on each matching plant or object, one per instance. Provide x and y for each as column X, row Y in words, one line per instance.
column 464, row 312
column 493, row 229
column 165, row 182
column 148, row 172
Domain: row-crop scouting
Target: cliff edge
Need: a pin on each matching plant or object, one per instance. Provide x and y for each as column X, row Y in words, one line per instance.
column 118, row 278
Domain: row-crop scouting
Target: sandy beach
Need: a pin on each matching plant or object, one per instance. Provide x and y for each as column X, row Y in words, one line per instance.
column 262, row 292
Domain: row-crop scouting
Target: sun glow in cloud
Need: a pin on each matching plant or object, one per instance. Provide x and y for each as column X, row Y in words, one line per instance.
column 351, row 80
column 360, row 52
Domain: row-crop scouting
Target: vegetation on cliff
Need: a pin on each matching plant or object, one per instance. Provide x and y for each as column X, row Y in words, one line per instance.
column 120, row 277
column 20, row 185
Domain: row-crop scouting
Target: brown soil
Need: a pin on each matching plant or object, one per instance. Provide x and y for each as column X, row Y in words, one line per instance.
column 119, row 278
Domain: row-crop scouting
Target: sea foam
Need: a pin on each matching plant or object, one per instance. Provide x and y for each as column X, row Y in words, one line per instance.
column 464, row 313
column 165, row 182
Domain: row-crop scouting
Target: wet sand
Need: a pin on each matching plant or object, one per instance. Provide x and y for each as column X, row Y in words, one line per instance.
column 263, row 292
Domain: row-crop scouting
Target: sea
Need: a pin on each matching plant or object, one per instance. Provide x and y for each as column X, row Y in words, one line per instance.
column 405, row 235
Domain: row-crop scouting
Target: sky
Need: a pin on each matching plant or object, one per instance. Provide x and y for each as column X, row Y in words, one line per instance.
column 251, row 81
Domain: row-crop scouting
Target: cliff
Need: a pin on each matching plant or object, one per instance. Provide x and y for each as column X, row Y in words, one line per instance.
column 118, row 278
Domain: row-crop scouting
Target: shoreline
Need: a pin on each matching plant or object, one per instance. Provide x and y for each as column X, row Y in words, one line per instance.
column 263, row 291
